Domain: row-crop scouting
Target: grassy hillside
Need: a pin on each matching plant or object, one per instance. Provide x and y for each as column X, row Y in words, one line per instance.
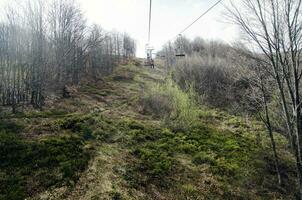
column 134, row 135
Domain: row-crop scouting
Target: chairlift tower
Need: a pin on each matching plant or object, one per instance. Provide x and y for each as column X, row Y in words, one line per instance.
column 149, row 48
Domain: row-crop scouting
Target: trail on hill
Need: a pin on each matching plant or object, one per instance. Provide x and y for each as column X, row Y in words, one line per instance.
column 136, row 156
column 113, row 97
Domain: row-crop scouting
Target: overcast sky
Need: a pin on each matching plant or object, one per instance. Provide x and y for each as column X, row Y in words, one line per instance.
column 169, row 18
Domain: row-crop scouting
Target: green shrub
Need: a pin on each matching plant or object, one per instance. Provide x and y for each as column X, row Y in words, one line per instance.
column 116, row 196
column 51, row 161
column 86, row 131
column 10, row 126
column 153, row 162
column 190, row 191
column 225, row 167
column 132, row 124
column 188, row 148
column 157, row 104
column 66, row 169
column 158, row 152
column 204, row 158
column 80, row 124
column 171, row 103
column 35, row 114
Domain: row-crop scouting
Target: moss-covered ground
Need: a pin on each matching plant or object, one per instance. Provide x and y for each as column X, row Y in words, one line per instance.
column 102, row 144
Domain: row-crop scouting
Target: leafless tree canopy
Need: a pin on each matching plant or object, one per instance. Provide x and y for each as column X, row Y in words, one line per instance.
column 46, row 45
column 275, row 28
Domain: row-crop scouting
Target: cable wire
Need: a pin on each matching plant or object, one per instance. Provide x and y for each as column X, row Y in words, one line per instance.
column 203, row 14
column 150, row 15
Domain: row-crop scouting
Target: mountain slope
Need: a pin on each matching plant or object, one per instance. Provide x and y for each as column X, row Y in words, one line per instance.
column 128, row 152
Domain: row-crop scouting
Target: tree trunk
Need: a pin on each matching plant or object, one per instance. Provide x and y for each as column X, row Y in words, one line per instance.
column 271, row 135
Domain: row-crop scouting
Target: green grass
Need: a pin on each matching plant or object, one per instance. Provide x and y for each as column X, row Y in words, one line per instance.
column 30, row 166
column 185, row 152
column 233, row 159
column 90, row 89
column 10, row 126
column 223, row 151
column 36, row 114
column 194, row 140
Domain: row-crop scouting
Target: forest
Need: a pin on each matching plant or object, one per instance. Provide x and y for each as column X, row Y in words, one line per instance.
column 82, row 117
column 46, row 46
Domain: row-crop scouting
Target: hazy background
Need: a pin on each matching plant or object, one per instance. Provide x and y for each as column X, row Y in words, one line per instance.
column 169, row 18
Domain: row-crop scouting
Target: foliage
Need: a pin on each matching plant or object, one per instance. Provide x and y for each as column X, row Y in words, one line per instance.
column 31, row 166
column 156, row 150
column 204, row 158
column 233, row 158
column 171, row 103
column 215, row 156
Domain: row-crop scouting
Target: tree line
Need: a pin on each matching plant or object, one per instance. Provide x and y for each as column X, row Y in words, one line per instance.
column 260, row 76
column 48, row 45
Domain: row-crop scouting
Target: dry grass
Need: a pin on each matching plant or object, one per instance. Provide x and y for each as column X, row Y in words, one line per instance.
column 113, row 106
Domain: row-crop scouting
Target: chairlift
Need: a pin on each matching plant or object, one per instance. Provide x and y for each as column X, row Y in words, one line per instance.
column 160, row 56
column 149, row 52
column 147, row 62
column 180, row 51
column 180, row 55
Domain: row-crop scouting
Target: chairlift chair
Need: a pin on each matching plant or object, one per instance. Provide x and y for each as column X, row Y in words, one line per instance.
column 180, row 55
column 180, row 51
column 160, row 56
column 149, row 53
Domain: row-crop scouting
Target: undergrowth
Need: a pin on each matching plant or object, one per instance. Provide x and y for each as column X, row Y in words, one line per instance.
column 185, row 152
column 166, row 100
column 234, row 160
column 157, row 150
column 31, row 166
column 194, row 140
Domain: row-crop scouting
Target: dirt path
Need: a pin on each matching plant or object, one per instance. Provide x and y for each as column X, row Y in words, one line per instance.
column 104, row 177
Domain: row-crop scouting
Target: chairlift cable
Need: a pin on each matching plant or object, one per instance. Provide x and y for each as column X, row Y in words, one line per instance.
column 150, row 17
column 202, row 15
column 185, row 29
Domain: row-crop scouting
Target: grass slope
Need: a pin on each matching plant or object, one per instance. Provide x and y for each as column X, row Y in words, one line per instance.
column 101, row 144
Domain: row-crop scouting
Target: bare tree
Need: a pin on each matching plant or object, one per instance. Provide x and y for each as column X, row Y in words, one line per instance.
column 261, row 90
column 274, row 27
column 46, row 46
column 67, row 28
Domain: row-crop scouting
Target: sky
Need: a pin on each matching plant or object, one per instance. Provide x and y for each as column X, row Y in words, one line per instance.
column 169, row 17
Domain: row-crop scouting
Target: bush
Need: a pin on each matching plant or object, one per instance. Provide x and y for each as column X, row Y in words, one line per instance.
column 79, row 124
column 171, row 103
column 51, row 161
column 86, row 132
column 190, row 191
column 10, row 126
column 157, row 104
column 225, row 167
column 216, row 79
column 204, row 158
column 153, row 162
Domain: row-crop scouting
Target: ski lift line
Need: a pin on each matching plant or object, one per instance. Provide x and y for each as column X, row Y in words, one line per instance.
column 149, row 48
column 202, row 15
column 185, row 29
column 150, row 17
column 183, row 54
